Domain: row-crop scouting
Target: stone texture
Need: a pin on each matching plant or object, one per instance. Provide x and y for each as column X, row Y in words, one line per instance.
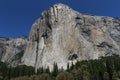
column 62, row 35
column 12, row 50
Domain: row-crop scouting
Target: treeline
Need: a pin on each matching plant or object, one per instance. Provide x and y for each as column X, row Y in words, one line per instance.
column 105, row 68
column 6, row 73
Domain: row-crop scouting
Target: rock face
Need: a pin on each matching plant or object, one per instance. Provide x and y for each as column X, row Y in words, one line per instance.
column 62, row 35
column 12, row 50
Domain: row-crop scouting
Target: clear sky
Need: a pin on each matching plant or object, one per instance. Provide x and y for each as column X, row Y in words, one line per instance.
column 17, row 16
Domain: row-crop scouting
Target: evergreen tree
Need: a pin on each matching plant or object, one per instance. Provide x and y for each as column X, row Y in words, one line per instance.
column 55, row 70
column 75, row 74
column 72, row 66
column 68, row 67
column 40, row 71
column 47, row 70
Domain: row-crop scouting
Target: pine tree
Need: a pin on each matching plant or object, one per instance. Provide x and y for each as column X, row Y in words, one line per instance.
column 40, row 71
column 47, row 70
column 55, row 70
column 72, row 66
column 68, row 67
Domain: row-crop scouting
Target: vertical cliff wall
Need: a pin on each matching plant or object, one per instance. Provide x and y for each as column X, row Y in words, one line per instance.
column 61, row 35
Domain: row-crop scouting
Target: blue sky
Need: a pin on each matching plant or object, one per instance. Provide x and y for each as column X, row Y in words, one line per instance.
column 17, row 16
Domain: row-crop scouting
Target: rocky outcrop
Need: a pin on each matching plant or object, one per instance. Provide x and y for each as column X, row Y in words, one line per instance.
column 12, row 50
column 62, row 35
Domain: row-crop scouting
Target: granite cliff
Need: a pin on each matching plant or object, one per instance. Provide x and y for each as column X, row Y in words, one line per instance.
column 12, row 50
column 62, row 35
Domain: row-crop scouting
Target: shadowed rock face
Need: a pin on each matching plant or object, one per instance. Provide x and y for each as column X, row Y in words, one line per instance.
column 62, row 35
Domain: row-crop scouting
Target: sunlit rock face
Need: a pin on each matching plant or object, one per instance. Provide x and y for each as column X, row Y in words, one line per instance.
column 12, row 50
column 62, row 35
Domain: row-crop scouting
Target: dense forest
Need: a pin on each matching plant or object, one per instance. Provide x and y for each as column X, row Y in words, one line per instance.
column 104, row 68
